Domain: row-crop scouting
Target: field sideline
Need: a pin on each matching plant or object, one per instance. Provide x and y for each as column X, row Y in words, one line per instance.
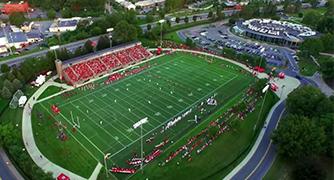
column 171, row 85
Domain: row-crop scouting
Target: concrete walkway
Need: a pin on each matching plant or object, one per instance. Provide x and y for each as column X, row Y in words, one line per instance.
column 29, row 141
column 321, row 84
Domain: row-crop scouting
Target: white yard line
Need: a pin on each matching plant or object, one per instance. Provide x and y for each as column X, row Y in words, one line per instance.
column 97, row 124
column 73, row 136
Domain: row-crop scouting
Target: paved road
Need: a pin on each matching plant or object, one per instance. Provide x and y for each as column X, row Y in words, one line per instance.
column 248, row 171
column 7, row 169
column 70, row 46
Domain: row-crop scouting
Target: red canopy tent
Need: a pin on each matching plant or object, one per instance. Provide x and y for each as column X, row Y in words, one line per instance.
column 62, row 176
column 273, row 87
column 281, row 75
column 259, row 69
column 159, row 50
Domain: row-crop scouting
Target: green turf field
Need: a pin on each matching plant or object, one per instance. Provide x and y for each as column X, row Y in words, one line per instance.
column 172, row 85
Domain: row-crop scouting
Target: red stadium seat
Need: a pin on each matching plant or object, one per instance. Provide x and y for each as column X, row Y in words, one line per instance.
column 98, row 65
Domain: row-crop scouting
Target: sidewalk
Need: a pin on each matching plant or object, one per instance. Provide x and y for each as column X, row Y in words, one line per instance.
column 30, row 144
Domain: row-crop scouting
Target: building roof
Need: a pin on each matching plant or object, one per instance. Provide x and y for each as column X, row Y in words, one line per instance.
column 277, row 29
column 148, row 2
column 7, row 29
column 67, row 23
column 34, row 35
column 16, row 37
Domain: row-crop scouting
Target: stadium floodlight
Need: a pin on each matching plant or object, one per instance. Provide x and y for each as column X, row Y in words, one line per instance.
column 106, row 156
column 54, row 48
column 110, row 30
column 264, row 90
column 161, row 21
column 135, row 126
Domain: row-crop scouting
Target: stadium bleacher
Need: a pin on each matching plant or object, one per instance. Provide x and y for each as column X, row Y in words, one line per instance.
column 96, row 66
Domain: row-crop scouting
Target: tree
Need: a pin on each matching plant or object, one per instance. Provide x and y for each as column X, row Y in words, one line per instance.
column 210, row 14
column 327, row 69
column 5, row 68
column 65, row 13
column 298, row 137
column 177, row 20
column 8, row 134
column 186, row 19
column 149, row 18
column 10, row 76
column 88, row 46
column 328, row 41
column 326, row 121
column 51, row 13
column 17, row 84
column 63, row 54
column 8, row 85
column 17, row 18
column 189, row 42
column 149, row 27
column 5, row 93
column 219, row 13
column 20, row 77
column 232, row 21
column 194, row 18
column 95, row 31
column 102, row 43
column 311, row 18
column 311, row 47
column 125, row 32
column 308, row 101
column 308, row 168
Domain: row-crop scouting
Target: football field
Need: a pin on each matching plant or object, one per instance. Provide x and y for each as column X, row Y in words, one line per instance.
column 104, row 115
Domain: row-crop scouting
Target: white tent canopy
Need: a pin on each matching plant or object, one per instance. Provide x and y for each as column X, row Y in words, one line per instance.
column 40, row 80
column 22, row 101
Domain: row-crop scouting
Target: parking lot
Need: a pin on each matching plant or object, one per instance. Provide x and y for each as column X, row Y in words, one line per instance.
column 217, row 37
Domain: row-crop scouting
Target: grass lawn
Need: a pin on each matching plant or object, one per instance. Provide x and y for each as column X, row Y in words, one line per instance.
column 307, row 66
column 173, row 36
column 218, row 160
column 3, row 104
column 282, row 169
column 172, row 85
column 50, row 91
column 15, row 115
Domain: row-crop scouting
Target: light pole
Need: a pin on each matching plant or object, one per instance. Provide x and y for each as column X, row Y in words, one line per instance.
column 261, row 51
column 135, row 126
column 110, row 30
column 264, row 90
column 161, row 21
column 54, row 48
column 106, row 156
column 283, row 86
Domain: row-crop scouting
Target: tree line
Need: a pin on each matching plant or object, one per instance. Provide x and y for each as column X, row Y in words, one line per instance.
column 306, row 134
